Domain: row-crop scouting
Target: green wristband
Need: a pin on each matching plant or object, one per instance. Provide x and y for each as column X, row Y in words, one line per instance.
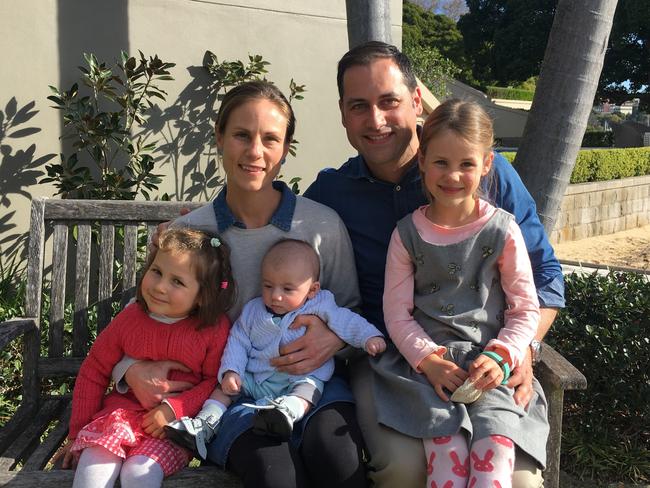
column 503, row 364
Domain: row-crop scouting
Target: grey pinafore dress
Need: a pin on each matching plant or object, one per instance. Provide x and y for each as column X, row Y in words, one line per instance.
column 459, row 302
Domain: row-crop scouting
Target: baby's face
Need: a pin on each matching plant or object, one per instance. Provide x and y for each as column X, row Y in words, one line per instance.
column 287, row 287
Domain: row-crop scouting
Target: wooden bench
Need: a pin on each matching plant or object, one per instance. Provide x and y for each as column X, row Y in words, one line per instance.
column 84, row 255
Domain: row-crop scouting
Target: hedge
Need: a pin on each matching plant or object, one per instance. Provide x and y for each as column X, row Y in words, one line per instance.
column 598, row 138
column 604, row 331
column 606, row 164
column 510, row 93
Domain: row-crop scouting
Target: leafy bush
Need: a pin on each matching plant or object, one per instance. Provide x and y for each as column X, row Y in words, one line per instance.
column 11, row 305
column 605, row 332
column 108, row 162
column 606, row 164
column 509, row 93
column 598, row 138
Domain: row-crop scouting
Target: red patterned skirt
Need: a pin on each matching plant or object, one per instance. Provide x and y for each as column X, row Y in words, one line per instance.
column 121, row 433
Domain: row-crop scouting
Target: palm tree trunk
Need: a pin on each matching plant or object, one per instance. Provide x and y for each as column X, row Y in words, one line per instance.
column 368, row 20
column 563, row 100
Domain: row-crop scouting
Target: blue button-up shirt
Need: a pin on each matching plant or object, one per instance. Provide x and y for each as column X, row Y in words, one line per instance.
column 370, row 209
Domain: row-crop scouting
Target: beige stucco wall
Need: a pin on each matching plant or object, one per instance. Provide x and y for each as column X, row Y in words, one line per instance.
column 44, row 41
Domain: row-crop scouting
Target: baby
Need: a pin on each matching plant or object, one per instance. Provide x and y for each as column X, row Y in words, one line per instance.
column 290, row 287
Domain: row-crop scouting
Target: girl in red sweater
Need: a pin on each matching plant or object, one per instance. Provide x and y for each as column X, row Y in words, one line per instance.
column 179, row 315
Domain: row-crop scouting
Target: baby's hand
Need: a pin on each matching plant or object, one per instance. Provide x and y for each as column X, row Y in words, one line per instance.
column 155, row 420
column 231, row 383
column 375, row 345
column 442, row 374
column 485, row 373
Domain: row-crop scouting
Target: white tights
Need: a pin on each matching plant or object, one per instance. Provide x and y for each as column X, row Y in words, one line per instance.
column 99, row 468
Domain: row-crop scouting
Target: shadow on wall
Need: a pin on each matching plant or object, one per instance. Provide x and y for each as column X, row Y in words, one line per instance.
column 91, row 26
column 19, row 169
column 185, row 138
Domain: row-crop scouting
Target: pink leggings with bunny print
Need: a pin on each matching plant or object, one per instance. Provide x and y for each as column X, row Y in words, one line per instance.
column 489, row 463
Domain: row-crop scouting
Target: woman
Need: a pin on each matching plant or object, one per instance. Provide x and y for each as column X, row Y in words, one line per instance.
column 254, row 129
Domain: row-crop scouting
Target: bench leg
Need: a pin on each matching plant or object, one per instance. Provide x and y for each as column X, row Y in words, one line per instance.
column 555, row 399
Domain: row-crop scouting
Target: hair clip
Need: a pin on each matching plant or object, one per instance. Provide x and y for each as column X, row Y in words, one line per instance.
column 215, row 242
column 224, row 285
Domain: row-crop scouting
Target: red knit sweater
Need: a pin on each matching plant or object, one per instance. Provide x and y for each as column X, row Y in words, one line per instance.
column 132, row 332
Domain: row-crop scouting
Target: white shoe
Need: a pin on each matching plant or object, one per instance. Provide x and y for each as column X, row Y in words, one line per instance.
column 193, row 433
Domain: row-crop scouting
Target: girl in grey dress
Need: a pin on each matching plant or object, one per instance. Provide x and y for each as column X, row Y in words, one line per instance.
column 461, row 308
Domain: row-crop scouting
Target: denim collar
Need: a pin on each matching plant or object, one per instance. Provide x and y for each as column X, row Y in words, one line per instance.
column 281, row 218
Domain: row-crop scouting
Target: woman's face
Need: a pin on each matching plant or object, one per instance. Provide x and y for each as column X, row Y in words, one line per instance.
column 253, row 145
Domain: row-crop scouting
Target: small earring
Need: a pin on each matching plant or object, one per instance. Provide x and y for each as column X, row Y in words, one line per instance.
column 283, row 160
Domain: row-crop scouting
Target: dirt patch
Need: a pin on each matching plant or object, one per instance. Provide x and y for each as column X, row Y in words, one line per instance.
column 629, row 248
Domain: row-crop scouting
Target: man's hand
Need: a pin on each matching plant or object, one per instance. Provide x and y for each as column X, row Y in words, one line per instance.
column 154, row 420
column 69, row 459
column 231, row 383
column 310, row 351
column 148, row 380
column 442, row 374
column 521, row 380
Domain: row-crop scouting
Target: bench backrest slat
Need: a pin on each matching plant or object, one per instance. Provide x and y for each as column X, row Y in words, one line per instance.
column 57, row 297
column 80, row 334
column 105, row 284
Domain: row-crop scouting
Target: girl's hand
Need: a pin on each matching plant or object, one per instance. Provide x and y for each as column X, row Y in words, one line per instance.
column 231, row 383
column 485, row 373
column 375, row 345
column 155, row 420
column 69, row 459
column 442, row 374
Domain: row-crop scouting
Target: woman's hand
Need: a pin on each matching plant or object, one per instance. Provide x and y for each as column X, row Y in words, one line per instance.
column 231, row 383
column 148, row 380
column 442, row 374
column 155, row 420
column 69, row 459
column 485, row 373
column 310, row 351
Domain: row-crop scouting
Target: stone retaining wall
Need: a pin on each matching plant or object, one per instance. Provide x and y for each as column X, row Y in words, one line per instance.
column 604, row 207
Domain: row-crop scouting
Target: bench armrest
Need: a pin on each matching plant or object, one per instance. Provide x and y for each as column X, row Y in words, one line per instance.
column 557, row 372
column 14, row 328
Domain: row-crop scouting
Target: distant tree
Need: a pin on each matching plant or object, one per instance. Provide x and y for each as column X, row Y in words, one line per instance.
column 628, row 54
column 423, row 30
column 505, row 39
column 454, row 9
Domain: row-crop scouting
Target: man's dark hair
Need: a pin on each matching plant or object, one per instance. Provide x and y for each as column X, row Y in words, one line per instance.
column 366, row 53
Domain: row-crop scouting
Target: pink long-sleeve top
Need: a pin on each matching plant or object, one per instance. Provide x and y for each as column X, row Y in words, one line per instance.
column 522, row 314
column 134, row 333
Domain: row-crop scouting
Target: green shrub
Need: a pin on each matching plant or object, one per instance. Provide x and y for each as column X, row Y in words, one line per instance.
column 606, row 164
column 598, row 138
column 109, row 162
column 605, row 332
column 509, row 93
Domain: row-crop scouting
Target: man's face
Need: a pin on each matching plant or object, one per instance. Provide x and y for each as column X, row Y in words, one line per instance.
column 379, row 114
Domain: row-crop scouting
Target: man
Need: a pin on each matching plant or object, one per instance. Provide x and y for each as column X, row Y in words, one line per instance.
column 380, row 103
